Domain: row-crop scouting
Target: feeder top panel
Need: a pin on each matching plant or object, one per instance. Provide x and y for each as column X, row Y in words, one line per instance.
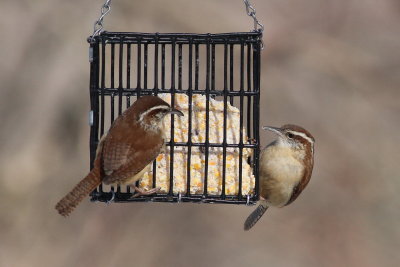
column 178, row 38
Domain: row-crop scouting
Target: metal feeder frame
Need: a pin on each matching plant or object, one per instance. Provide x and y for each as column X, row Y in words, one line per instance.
column 178, row 46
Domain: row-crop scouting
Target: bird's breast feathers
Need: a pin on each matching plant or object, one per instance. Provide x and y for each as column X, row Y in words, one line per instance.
column 280, row 172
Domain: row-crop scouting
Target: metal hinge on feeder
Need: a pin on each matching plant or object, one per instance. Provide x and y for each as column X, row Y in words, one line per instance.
column 216, row 77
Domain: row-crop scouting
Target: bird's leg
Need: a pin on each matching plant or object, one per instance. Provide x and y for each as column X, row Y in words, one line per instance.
column 252, row 141
column 112, row 197
column 140, row 192
column 163, row 149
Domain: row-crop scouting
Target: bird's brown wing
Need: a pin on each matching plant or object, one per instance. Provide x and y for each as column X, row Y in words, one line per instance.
column 302, row 184
column 121, row 160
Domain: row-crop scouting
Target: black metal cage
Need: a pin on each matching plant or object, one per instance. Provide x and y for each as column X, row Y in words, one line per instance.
column 225, row 67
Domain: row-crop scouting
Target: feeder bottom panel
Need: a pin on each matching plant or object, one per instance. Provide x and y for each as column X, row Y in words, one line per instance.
column 198, row 158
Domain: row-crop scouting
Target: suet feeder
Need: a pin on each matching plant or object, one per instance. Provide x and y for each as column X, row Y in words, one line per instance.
column 224, row 69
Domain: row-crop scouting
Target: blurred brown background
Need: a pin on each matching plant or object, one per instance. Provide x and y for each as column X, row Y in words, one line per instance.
column 330, row 66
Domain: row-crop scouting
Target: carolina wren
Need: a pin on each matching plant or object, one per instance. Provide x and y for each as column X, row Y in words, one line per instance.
column 285, row 169
column 133, row 141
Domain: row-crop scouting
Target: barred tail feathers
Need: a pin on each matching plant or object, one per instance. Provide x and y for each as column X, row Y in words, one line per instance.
column 255, row 216
column 68, row 203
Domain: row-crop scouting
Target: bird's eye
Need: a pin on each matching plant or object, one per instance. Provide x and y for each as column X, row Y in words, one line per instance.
column 290, row 135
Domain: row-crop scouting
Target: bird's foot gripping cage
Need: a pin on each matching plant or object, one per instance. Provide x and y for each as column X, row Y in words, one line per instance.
column 212, row 153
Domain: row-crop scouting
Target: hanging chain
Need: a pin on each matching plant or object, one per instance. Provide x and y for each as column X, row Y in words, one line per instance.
column 98, row 25
column 251, row 11
column 105, row 9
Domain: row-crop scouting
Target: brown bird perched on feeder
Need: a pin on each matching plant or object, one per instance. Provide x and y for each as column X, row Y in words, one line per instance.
column 133, row 141
column 285, row 169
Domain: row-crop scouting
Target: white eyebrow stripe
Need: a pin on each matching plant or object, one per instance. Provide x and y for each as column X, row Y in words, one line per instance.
column 303, row 135
column 151, row 109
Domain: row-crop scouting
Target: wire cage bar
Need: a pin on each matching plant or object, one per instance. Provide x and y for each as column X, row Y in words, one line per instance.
column 223, row 67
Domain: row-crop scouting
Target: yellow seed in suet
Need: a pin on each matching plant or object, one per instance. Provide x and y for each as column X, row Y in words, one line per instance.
column 196, row 166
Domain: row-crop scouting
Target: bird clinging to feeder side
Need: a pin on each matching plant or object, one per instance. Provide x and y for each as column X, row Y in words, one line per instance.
column 285, row 169
column 133, row 141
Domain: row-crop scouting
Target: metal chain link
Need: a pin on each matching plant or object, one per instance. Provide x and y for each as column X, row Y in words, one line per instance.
column 251, row 11
column 98, row 25
column 105, row 9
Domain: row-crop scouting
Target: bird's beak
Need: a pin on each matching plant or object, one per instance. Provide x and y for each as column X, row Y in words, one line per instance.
column 276, row 130
column 176, row 111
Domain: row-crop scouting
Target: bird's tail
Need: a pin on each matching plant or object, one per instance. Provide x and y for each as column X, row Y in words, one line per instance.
column 255, row 216
column 68, row 203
